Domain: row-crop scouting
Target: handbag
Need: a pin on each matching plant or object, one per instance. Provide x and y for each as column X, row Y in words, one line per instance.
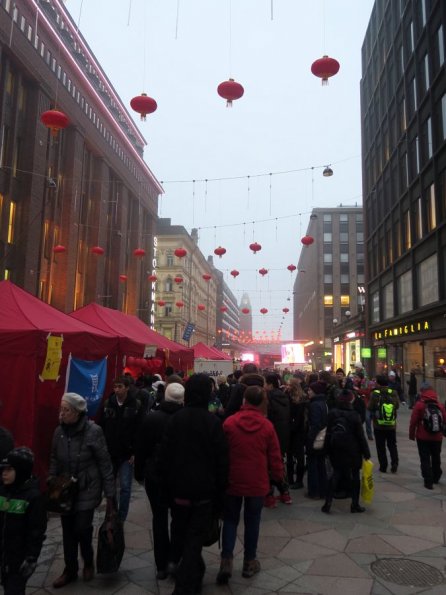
column 318, row 443
column 111, row 545
column 61, row 495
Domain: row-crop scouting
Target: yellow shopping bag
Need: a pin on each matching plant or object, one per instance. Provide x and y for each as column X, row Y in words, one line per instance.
column 367, row 487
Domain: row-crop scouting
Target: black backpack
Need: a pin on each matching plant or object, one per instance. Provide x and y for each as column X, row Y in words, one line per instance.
column 432, row 418
column 340, row 434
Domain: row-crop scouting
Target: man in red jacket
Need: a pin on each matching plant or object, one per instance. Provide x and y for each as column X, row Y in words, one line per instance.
column 426, row 426
column 254, row 457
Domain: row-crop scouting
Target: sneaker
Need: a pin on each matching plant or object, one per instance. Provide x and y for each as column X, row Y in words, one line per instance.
column 250, row 568
column 285, row 498
column 269, row 501
column 225, row 572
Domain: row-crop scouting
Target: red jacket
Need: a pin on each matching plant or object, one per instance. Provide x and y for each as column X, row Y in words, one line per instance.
column 254, row 453
column 416, row 426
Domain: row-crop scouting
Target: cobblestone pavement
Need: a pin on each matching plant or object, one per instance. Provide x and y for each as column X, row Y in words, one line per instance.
column 301, row 550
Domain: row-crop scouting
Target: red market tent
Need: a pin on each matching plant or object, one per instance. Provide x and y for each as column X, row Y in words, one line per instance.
column 30, row 405
column 201, row 350
column 134, row 336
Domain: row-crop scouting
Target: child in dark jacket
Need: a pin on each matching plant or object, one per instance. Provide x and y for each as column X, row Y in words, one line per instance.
column 22, row 520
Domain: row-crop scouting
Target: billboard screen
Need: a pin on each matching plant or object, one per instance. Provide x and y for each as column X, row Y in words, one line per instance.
column 292, row 353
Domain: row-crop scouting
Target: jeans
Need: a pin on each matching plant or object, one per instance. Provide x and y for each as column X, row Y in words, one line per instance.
column 123, row 472
column 316, row 475
column 189, row 528
column 77, row 530
column 430, row 460
column 160, row 526
column 251, row 515
column 383, row 438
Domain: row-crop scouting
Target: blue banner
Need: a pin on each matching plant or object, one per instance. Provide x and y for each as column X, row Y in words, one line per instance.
column 88, row 380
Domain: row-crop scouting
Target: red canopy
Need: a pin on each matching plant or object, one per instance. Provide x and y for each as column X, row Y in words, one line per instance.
column 30, row 405
column 134, row 335
column 201, row 350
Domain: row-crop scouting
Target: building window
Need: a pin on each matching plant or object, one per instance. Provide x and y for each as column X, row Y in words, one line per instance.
column 169, row 285
column 328, row 278
column 169, row 259
column 443, row 115
column 440, row 39
column 168, row 309
column 345, row 278
column 388, row 301
column 428, row 281
column 374, row 302
column 343, row 257
column 328, row 258
column 417, row 154
column 11, row 221
column 407, row 231
column 328, row 237
column 423, row 12
column 419, row 221
column 430, row 148
column 431, row 209
column 405, row 298
column 343, row 237
column 327, row 218
column 426, row 73
column 359, row 237
column 328, row 300
column 345, row 300
column 343, row 218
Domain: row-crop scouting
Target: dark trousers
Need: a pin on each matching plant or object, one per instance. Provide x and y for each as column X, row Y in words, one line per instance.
column 252, row 511
column 385, row 438
column 344, row 475
column 189, row 528
column 430, row 460
column 13, row 584
column 316, row 474
column 296, row 459
column 77, row 530
column 160, row 526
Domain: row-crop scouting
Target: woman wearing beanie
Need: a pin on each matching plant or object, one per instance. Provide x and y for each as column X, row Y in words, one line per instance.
column 22, row 520
column 346, row 446
column 79, row 449
column 146, row 470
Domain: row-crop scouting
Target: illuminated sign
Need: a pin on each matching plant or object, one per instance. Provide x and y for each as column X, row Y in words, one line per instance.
column 402, row 330
column 366, row 352
column 247, row 357
column 292, row 353
column 382, row 353
column 153, row 284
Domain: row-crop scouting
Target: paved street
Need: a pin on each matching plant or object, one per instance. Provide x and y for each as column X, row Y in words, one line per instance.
column 301, row 549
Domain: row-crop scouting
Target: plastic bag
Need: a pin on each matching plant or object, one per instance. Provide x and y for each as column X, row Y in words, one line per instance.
column 367, row 487
column 111, row 545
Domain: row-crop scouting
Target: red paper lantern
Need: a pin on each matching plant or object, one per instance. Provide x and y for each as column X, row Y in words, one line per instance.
column 123, row 278
column 223, row 309
column 324, row 68
column 139, row 253
column 143, row 105
column 235, row 273
column 255, row 247
column 264, row 310
column 245, row 310
column 55, row 120
column 130, row 361
column 291, row 267
column 230, row 90
column 201, row 307
column 59, row 249
column 263, row 272
column 179, row 304
column 207, row 277
column 152, row 278
column 161, row 303
column 180, row 252
column 285, row 310
column 307, row 240
column 220, row 251
column 178, row 279
column 97, row 250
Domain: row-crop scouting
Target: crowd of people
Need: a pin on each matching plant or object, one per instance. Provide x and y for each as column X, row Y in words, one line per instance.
column 205, row 450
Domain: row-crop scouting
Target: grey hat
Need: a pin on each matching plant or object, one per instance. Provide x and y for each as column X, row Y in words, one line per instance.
column 174, row 393
column 76, row 401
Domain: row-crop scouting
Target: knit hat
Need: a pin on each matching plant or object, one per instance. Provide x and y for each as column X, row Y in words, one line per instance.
column 76, row 401
column 252, row 380
column 21, row 459
column 340, row 371
column 157, row 377
column 425, row 385
column 221, row 379
column 319, row 387
column 345, row 396
column 358, row 365
column 174, row 393
column 392, row 374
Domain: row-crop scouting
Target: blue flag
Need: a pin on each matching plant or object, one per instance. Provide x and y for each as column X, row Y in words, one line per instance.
column 88, row 380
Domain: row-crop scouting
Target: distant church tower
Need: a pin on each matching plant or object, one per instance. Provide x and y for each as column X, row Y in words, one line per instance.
column 245, row 319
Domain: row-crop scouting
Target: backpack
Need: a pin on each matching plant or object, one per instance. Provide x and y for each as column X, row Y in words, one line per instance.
column 432, row 418
column 386, row 409
column 340, row 435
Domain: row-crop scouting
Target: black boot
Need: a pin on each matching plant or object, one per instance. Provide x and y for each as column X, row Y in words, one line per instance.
column 326, row 507
column 356, row 508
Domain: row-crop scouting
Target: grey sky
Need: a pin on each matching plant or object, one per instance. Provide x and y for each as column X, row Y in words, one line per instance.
column 285, row 121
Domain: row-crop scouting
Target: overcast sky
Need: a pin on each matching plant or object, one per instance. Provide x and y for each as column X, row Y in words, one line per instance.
column 178, row 51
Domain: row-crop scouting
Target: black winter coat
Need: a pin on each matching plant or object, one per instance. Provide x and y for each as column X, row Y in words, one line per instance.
column 22, row 524
column 279, row 416
column 354, row 443
column 317, row 419
column 121, row 424
column 194, row 459
column 149, row 441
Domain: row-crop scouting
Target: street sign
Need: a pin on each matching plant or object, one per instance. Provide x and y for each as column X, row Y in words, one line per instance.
column 189, row 329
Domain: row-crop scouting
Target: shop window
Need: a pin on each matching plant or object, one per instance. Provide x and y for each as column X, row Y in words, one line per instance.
column 440, row 364
column 428, row 281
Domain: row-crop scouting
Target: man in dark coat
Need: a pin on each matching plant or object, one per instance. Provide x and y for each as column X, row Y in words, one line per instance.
column 235, row 400
column 317, row 421
column 346, row 446
column 194, row 467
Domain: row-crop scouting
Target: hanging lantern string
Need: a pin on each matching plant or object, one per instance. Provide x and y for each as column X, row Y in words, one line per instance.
column 129, row 13
column 230, row 39
column 177, row 19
